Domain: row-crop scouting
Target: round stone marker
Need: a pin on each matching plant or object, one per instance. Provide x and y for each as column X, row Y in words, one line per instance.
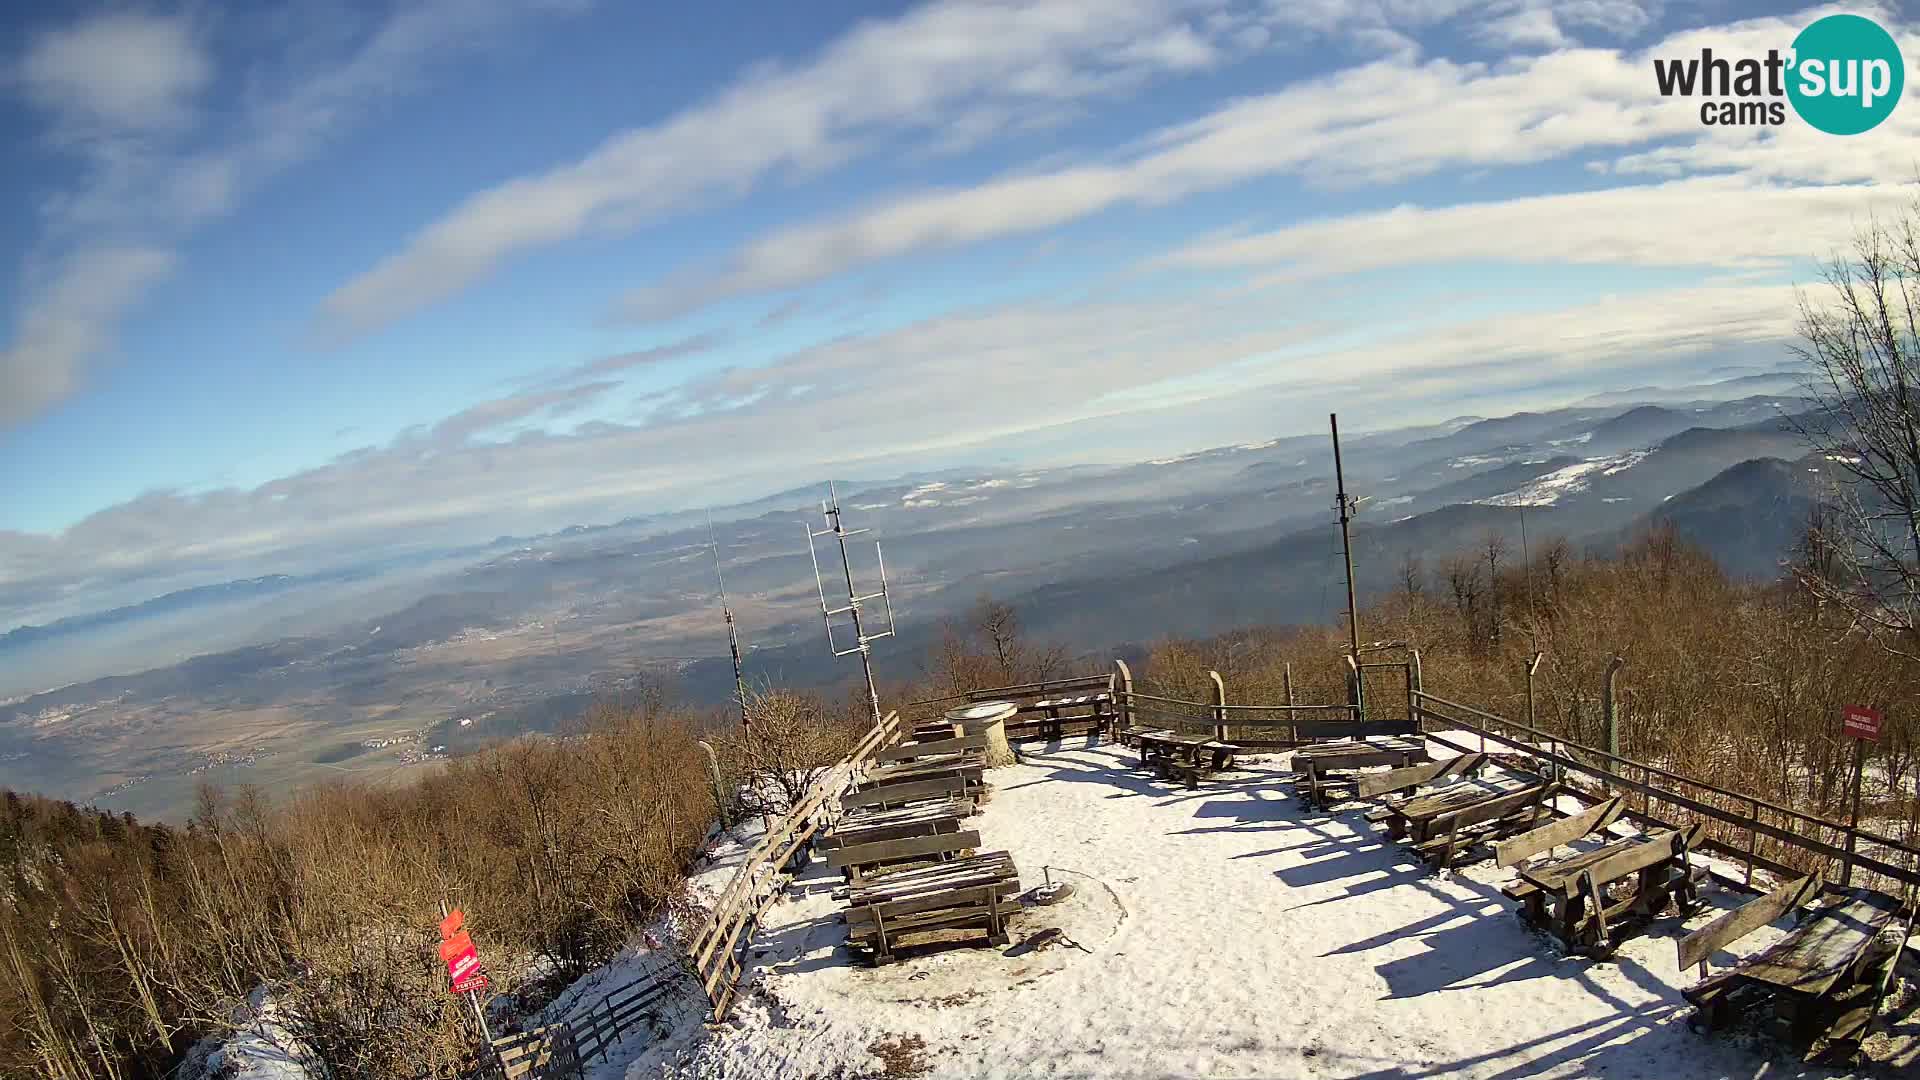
column 988, row 718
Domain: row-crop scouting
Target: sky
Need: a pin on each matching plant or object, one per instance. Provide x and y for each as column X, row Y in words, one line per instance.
column 289, row 284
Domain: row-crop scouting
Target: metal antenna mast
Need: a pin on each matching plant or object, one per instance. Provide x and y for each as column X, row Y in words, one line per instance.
column 733, row 636
column 1346, row 507
column 830, row 509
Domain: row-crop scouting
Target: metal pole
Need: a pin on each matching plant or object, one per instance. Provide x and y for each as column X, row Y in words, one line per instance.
column 1853, row 822
column 733, row 637
column 1346, row 540
column 472, row 996
column 853, row 604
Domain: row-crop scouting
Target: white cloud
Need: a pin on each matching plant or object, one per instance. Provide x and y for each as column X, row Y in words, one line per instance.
column 999, row 375
column 953, row 71
column 68, row 321
column 121, row 87
column 120, row 71
column 1728, row 222
column 1383, row 122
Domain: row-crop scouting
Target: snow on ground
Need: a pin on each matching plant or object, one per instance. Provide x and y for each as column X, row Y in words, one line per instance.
column 1226, row 932
column 1551, row 488
column 259, row 1050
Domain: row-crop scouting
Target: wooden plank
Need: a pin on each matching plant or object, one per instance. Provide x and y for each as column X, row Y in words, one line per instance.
column 1745, row 919
column 1426, row 807
column 1608, row 864
column 1813, row 958
column 901, row 751
column 1547, row 837
column 1498, row 806
column 1412, row 776
column 894, row 850
column 943, row 787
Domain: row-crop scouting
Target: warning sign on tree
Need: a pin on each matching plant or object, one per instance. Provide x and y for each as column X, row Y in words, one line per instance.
column 1860, row 722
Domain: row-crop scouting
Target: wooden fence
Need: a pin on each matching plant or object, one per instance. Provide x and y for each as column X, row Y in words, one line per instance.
column 715, row 950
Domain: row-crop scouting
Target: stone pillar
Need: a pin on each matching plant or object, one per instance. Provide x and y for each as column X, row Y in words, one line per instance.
column 988, row 718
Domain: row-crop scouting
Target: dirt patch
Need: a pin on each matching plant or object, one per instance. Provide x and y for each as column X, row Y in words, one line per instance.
column 902, row 1056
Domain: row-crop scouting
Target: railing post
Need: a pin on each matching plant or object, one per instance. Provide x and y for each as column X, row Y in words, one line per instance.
column 1609, row 712
column 719, row 789
column 1122, row 693
column 1355, row 688
column 1753, row 838
column 1414, row 683
column 1293, row 718
column 1219, row 706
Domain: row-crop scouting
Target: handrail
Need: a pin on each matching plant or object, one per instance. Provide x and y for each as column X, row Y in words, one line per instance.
column 1617, row 759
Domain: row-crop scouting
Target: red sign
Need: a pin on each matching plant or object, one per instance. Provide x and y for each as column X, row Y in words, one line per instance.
column 451, row 925
column 455, row 945
column 1860, row 722
column 463, row 960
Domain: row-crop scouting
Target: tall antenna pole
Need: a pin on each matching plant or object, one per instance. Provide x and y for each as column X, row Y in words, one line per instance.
column 1346, row 540
column 830, row 509
column 733, row 636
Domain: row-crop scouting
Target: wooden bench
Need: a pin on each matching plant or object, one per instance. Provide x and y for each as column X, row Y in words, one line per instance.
column 1323, row 770
column 1411, row 777
column 1056, row 712
column 951, row 746
column 974, row 893
column 1205, row 759
column 1130, row 737
column 859, row 862
column 1044, row 709
column 945, row 788
column 1825, row 979
column 969, row 767
column 1572, row 895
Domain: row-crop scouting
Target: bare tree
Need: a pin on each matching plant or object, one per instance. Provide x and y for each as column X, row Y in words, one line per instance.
column 1862, row 348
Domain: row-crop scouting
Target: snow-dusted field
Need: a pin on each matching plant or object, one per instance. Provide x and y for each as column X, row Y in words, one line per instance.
column 1220, row 932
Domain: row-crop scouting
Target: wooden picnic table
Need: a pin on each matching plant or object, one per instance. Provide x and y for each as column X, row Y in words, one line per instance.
column 1825, row 978
column 1329, row 767
column 1184, row 757
column 1449, row 823
column 976, row 892
column 1571, row 896
column 970, row 766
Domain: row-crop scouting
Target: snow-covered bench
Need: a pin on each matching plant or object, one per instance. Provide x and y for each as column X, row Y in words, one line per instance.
column 975, row 893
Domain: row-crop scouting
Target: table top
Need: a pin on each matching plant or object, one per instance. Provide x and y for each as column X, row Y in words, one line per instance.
column 1457, row 796
column 1811, row 959
column 1357, row 746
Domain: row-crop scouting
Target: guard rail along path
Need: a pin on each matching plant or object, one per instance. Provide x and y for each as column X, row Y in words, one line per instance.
column 714, row 952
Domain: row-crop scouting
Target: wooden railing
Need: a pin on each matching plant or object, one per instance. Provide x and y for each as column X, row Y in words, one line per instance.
column 714, row 952
column 1736, row 822
column 558, row 1051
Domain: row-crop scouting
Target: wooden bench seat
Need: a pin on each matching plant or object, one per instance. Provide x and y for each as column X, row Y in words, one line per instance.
column 862, row 861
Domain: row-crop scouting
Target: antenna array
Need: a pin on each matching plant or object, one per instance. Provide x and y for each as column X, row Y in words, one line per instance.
column 733, row 636
column 862, row 641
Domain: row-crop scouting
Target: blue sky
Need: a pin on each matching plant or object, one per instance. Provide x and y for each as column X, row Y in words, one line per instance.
column 293, row 282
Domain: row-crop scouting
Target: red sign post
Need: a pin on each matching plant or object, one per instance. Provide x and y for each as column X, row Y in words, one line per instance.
column 463, row 962
column 1864, row 725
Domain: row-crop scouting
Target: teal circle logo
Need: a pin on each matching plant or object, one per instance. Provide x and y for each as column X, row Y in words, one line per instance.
column 1847, row 74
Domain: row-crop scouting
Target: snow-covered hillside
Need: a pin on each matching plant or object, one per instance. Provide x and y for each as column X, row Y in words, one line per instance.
column 1219, row 932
